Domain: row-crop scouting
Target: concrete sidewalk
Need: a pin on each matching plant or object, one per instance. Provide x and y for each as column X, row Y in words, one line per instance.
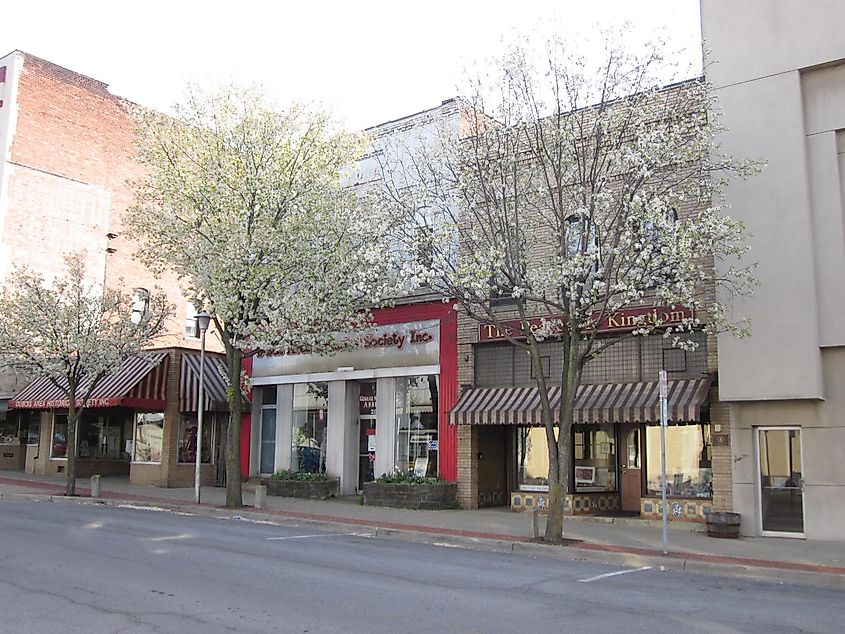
column 606, row 538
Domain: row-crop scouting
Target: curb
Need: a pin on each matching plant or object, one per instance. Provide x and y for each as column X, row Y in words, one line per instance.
column 761, row 569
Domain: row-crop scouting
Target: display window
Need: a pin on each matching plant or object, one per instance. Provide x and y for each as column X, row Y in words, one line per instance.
column 595, row 459
column 149, row 435
column 532, row 459
column 58, row 448
column 689, row 471
column 310, row 427
column 417, row 442
column 19, row 427
column 188, row 438
column 267, row 448
column 594, row 451
column 103, row 437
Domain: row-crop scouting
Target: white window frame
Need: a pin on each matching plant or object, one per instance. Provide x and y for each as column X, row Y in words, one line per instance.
column 758, row 489
column 192, row 330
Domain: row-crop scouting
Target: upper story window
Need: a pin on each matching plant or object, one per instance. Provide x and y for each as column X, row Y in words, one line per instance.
column 191, row 328
column 140, row 303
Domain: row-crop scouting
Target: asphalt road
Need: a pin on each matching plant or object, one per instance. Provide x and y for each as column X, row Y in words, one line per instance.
column 73, row 568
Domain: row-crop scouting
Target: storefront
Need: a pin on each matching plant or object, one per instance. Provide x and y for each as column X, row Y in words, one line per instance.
column 19, row 433
column 141, row 421
column 378, row 406
column 615, row 436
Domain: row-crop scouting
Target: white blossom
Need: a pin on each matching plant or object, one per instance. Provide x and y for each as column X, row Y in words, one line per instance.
column 74, row 333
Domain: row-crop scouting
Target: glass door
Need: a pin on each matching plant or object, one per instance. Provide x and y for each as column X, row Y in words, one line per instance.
column 366, row 433
column 781, row 481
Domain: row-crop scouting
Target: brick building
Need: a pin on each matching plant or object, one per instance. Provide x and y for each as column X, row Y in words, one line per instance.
column 502, row 450
column 66, row 162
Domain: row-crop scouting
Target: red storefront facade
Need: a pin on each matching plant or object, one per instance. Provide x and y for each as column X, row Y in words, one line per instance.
column 380, row 407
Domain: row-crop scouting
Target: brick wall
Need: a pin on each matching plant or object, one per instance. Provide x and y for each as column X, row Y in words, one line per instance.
column 468, row 466
column 72, row 158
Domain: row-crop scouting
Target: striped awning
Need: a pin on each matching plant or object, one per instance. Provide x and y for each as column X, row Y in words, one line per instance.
column 608, row 403
column 140, row 383
column 215, row 379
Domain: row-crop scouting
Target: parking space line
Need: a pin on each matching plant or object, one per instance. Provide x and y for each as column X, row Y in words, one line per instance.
column 315, row 535
column 613, row 574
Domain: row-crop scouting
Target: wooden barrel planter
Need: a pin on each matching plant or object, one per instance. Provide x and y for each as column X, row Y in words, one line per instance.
column 723, row 525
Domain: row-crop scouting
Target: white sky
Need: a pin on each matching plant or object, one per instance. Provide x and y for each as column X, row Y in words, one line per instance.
column 369, row 61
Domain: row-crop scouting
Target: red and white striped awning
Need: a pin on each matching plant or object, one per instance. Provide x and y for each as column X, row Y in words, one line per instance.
column 607, row 403
column 215, row 379
column 139, row 383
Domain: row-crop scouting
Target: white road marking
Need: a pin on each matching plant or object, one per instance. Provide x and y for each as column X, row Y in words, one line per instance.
column 613, row 574
column 315, row 535
column 167, row 538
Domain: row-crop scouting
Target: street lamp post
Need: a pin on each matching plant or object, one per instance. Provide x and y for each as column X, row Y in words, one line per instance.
column 203, row 318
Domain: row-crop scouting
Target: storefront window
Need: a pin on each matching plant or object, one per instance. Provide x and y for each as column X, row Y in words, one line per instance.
column 310, row 427
column 416, row 425
column 19, row 427
column 8, row 428
column 188, row 438
column 59, row 445
column 30, row 427
column 267, row 448
column 532, row 459
column 102, row 437
column 149, row 433
column 688, row 467
column 595, row 459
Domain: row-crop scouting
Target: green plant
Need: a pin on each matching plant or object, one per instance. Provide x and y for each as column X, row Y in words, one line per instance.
column 299, row 476
column 406, row 478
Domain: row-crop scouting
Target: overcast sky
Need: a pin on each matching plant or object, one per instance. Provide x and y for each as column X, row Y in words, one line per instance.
column 369, row 61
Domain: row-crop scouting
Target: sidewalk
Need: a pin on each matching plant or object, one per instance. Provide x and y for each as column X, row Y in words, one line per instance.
column 627, row 540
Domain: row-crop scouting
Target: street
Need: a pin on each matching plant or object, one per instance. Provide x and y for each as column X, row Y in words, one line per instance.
column 82, row 568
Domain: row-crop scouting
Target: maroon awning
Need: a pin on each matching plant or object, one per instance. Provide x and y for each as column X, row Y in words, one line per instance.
column 139, row 383
column 606, row 403
column 214, row 377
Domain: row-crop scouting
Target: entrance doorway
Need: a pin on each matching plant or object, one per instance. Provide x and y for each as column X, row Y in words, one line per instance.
column 366, row 433
column 781, row 481
column 493, row 452
column 630, row 467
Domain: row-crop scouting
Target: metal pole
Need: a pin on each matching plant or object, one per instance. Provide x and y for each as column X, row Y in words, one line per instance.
column 200, row 408
column 664, row 416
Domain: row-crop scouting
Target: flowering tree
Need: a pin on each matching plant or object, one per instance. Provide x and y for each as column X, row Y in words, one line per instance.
column 245, row 203
column 73, row 333
column 574, row 191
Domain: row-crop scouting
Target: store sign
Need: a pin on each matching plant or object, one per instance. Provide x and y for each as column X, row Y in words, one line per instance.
column 399, row 345
column 620, row 321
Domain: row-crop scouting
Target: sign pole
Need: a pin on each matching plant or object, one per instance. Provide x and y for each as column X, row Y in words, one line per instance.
column 664, row 416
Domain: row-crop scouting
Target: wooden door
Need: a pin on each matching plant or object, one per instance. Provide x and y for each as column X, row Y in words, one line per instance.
column 630, row 467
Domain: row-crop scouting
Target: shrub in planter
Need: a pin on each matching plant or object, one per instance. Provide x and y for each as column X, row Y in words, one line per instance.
column 405, row 490
column 298, row 484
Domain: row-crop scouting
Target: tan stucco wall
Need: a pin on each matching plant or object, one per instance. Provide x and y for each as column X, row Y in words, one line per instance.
column 822, row 425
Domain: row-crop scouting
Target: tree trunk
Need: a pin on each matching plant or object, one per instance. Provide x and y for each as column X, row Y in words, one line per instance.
column 234, row 496
column 70, row 441
column 560, row 469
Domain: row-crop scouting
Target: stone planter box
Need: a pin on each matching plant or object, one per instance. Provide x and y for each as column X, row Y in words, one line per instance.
column 313, row 490
column 434, row 497
column 723, row 525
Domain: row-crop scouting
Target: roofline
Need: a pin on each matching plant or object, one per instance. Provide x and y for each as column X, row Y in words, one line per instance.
column 410, row 116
